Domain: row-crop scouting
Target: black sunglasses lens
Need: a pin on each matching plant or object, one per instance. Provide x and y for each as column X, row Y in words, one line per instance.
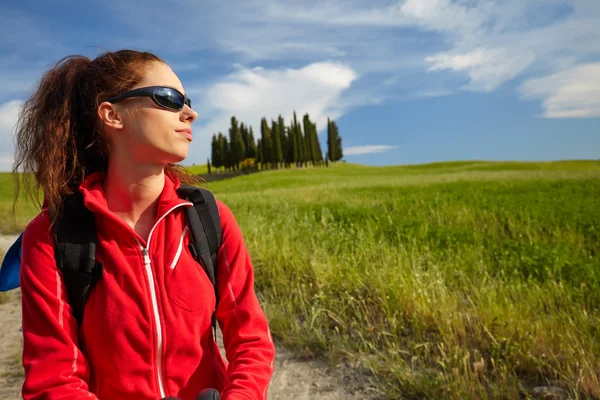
column 169, row 98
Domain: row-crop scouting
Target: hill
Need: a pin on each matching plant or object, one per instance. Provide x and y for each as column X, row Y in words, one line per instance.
column 446, row 280
column 454, row 280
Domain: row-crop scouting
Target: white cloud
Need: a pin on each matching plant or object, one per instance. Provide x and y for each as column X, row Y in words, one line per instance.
column 494, row 41
column 254, row 93
column 251, row 94
column 459, row 62
column 430, row 93
column 487, row 68
column 573, row 93
column 9, row 113
column 370, row 149
column 445, row 15
column 488, row 42
column 389, row 43
column 6, row 161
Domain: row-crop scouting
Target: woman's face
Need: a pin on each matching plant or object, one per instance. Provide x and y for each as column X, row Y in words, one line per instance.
column 151, row 134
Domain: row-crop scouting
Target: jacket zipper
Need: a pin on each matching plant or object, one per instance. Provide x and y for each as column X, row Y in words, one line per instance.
column 154, row 299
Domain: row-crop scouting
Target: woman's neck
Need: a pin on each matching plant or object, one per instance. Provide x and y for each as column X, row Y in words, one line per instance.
column 132, row 194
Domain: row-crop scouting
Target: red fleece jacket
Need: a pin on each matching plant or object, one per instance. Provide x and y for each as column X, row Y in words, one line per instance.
column 146, row 331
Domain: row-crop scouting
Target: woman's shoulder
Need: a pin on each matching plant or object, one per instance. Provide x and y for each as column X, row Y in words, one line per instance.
column 225, row 213
column 39, row 229
column 231, row 230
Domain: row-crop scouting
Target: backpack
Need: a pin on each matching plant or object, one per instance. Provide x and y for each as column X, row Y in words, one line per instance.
column 76, row 241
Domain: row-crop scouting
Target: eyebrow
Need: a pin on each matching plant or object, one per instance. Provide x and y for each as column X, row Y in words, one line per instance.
column 167, row 86
column 173, row 87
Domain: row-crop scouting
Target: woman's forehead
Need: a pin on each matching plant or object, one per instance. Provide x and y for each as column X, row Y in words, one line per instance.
column 160, row 74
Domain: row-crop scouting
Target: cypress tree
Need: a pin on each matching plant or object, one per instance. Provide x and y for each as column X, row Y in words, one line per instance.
column 267, row 142
column 251, row 149
column 338, row 148
column 244, row 133
column 318, row 155
column 231, row 161
column 277, row 151
column 314, row 155
column 223, row 150
column 308, row 153
column 337, row 143
column 220, row 154
column 299, row 151
column 259, row 155
column 301, row 145
column 292, row 145
column 214, row 153
column 237, row 148
column 330, row 141
column 226, row 155
column 273, row 151
column 283, row 140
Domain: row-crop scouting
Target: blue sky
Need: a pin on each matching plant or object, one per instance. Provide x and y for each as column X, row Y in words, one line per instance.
column 408, row 81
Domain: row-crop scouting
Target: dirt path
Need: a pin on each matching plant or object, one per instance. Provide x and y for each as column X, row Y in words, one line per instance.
column 293, row 379
column 11, row 372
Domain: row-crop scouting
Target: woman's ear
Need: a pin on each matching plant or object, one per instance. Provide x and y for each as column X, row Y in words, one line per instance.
column 110, row 115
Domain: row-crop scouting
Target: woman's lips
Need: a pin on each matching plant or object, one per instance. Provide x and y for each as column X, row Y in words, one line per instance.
column 187, row 133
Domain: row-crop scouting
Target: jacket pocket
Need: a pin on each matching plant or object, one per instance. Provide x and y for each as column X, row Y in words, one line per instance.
column 187, row 285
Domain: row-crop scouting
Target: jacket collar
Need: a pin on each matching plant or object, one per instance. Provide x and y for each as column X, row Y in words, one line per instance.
column 94, row 196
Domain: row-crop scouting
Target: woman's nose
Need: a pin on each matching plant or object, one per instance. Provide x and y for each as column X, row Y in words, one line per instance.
column 188, row 114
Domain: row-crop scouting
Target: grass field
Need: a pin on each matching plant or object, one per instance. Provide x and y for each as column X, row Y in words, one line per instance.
column 447, row 280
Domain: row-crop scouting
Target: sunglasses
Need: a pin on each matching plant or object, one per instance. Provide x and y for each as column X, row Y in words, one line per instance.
column 165, row 97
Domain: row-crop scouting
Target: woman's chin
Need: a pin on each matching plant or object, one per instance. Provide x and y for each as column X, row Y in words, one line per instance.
column 172, row 155
column 178, row 157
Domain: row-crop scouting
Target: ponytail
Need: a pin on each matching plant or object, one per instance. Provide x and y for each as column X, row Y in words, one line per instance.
column 46, row 141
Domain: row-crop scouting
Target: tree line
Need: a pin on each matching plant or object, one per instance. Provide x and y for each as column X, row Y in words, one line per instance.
column 279, row 145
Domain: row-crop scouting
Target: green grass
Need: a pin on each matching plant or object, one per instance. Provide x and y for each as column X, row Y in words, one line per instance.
column 13, row 220
column 454, row 280
column 447, row 280
column 198, row 169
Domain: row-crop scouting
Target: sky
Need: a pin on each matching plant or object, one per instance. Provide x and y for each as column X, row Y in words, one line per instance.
column 407, row 81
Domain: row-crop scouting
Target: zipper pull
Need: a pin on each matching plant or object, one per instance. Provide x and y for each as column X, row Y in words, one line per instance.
column 146, row 256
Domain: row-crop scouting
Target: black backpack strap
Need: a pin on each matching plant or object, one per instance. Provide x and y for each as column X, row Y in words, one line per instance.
column 205, row 225
column 75, row 251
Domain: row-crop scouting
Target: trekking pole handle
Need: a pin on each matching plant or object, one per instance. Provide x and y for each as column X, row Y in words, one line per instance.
column 206, row 394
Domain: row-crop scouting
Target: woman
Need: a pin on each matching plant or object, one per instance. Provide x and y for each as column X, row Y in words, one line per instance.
column 146, row 332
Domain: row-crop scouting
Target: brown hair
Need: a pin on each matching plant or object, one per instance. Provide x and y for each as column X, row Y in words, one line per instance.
column 56, row 138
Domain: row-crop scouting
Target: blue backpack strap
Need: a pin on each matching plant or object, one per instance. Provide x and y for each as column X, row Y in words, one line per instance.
column 11, row 267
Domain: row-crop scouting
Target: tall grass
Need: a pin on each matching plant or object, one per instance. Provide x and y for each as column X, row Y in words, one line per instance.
column 448, row 280
column 13, row 220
